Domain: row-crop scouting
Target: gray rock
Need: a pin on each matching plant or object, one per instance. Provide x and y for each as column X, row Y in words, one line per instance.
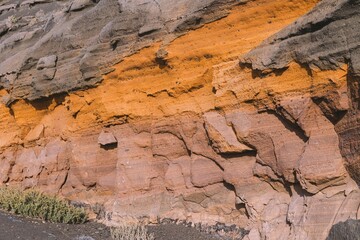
column 7, row 7
column 348, row 230
column 325, row 38
column 47, row 74
column 106, row 138
column 150, row 28
column 162, row 53
column 33, row 2
column 46, row 62
column 80, row 4
column 88, row 37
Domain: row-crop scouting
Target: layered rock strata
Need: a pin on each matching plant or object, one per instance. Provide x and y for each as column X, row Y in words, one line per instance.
column 49, row 47
column 142, row 109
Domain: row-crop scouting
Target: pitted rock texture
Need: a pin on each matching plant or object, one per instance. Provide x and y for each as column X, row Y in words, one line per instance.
column 236, row 121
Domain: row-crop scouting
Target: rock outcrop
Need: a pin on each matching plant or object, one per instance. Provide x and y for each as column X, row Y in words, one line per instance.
column 345, row 230
column 235, row 112
column 51, row 47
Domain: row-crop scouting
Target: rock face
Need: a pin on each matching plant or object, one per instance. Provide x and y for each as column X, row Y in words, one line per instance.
column 345, row 230
column 324, row 38
column 88, row 37
column 206, row 111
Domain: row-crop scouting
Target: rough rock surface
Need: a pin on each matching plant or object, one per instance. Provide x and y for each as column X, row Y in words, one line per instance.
column 50, row 47
column 325, row 38
column 205, row 111
column 347, row 230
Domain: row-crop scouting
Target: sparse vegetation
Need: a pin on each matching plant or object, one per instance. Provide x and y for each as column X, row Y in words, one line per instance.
column 131, row 232
column 13, row 19
column 34, row 204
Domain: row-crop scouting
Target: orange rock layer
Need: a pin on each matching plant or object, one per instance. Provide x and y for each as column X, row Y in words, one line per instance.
column 195, row 136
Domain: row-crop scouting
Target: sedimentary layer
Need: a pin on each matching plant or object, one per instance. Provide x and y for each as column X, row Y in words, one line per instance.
column 239, row 112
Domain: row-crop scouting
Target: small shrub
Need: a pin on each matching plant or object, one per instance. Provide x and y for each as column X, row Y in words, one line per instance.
column 13, row 19
column 82, row 237
column 131, row 232
column 38, row 205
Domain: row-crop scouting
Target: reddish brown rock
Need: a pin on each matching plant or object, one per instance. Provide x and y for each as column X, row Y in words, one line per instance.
column 272, row 138
column 35, row 134
column 222, row 135
column 205, row 172
column 184, row 128
column 106, row 138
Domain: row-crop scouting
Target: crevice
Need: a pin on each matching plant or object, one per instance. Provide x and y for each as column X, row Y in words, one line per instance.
column 159, row 92
column 155, row 155
column 114, row 44
column 147, row 32
column 75, row 114
column 110, row 146
column 306, row 67
column 210, row 158
column 292, row 127
column 45, row 102
column 11, row 111
column 250, row 153
column 300, row 191
column 332, row 114
column 238, row 205
column 256, row 73
column 229, row 186
column 64, row 182
column 210, row 143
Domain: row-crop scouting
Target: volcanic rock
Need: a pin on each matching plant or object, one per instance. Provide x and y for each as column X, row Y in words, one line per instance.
column 216, row 112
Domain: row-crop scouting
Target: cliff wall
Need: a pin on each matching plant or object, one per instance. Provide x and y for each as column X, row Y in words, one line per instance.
column 239, row 112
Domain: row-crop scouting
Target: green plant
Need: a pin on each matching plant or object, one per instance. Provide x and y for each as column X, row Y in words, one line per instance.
column 34, row 204
column 131, row 232
column 13, row 19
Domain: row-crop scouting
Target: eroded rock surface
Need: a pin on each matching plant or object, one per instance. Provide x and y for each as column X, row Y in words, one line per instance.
column 79, row 40
column 204, row 111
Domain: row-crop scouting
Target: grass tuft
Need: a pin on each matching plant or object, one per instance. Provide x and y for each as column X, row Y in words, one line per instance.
column 131, row 232
column 34, row 204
